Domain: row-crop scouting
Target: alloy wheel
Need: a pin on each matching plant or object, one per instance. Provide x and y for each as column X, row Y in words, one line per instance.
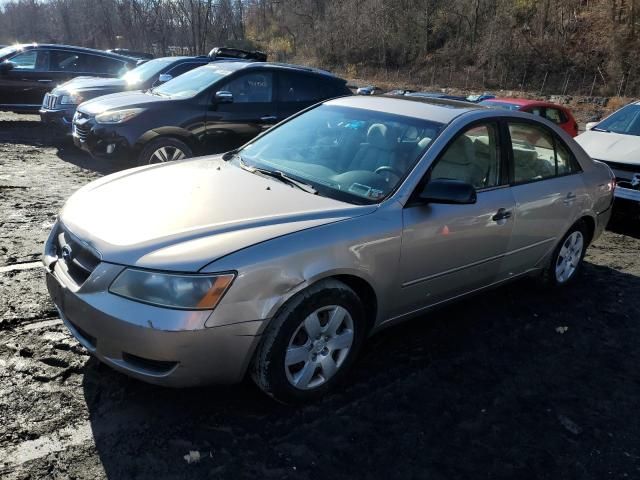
column 569, row 256
column 319, row 347
column 166, row 154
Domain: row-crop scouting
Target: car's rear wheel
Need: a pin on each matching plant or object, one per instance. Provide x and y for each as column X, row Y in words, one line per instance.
column 162, row 150
column 567, row 258
column 311, row 343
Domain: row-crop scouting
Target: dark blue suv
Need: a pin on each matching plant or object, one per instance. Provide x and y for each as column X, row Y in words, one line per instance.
column 60, row 104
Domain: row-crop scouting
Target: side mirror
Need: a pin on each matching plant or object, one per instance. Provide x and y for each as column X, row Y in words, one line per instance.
column 590, row 125
column 448, row 191
column 163, row 78
column 6, row 66
column 224, row 96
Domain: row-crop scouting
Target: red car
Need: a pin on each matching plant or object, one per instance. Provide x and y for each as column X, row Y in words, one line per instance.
column 556, row 113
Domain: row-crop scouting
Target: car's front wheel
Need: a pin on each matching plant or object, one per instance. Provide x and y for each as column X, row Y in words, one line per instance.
column 164, row 149
column 311, row 343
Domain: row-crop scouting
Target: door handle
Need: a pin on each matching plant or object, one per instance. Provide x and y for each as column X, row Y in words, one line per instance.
column 268, row 118
column 45, row 81
column 569, row 198
column 501, row 214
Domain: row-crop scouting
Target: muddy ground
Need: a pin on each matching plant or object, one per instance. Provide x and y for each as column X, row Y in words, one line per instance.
column 489, row 388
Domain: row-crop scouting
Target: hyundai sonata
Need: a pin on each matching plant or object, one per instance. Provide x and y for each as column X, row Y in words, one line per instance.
column 280, row 258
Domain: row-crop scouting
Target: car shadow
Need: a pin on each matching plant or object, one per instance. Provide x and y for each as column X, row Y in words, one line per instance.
column 518, row 382
column 625, row 222
column 29, row 130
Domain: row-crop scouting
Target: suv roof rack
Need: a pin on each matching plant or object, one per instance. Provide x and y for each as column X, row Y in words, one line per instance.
column 227, row 52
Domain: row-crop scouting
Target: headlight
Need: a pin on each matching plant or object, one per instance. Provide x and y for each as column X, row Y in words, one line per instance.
column 71, row 99
column 118, row 116
column 189, row 292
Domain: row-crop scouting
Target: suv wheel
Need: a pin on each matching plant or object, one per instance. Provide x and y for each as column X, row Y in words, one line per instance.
column 164, row 149
column 311, row 343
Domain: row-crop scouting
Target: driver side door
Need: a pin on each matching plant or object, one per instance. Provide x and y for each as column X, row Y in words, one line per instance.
column 449, row 250
column 24, row 86
column 250, row 111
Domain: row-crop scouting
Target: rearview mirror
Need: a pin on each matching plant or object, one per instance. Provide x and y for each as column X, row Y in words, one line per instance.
column 590, row 125
column 448, row 191
column 164, row 77
column 224, row 96
column 6, row 66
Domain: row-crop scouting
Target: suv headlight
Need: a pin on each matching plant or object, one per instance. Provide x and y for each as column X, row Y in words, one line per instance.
column 183, row 291
column 118, row 116
column 71, row 99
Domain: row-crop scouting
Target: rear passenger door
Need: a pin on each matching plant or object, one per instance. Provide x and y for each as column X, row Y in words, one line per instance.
column 548, row 190
column 297, row 91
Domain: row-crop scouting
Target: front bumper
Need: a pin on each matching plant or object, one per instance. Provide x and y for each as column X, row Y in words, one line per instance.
column 157, row 345
column 101, row 141
column 624, row 193
column 58, row 118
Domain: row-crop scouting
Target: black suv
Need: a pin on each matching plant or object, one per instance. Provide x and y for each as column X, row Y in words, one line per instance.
column 27, row 72
column 60, row 104
column 210, row 109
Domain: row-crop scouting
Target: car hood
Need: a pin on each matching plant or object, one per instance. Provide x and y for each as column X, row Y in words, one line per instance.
column 121, row 100
column 83, row 83
column 612, row 147
column 184, row 215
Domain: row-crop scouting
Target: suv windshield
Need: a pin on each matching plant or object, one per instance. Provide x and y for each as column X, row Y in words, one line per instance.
column 625, row 121
column 193, row 82
column 350, row 154
column 146, row 71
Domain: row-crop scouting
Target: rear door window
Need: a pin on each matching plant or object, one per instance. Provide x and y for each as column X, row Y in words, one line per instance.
column 556, row 115
column 538, row 154
column 302, row 88
column 105, row 65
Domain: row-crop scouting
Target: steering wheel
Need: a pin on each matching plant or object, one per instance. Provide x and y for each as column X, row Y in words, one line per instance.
column 388, row 169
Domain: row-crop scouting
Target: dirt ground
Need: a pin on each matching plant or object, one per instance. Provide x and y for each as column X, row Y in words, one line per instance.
column 517, row 383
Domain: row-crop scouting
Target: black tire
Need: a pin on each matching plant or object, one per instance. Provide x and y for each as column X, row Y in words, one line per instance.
column 268, row 368
column 169, row 143
column 550, row 277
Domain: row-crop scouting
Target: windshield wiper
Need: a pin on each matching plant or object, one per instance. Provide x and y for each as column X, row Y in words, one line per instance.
column 277, row 174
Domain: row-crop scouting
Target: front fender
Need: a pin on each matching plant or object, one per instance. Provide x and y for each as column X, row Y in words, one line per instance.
column 270, row 273
column 170, row 131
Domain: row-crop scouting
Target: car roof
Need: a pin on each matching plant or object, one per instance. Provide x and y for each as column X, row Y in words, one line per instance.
column 434, row 109
column 28, row 46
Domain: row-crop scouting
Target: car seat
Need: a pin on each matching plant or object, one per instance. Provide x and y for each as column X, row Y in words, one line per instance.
column 377, row 151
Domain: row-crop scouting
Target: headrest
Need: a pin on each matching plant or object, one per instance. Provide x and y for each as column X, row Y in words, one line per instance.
column 377, row 136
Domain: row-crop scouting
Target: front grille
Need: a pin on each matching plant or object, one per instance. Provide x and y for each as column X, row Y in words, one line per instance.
column 50, row 101
column 81, row 131
column 76, row 258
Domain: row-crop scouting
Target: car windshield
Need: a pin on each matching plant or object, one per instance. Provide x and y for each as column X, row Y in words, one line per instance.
column 503, row 105
column 193, row 82
column 349, row 154
column 146, row 71
column 625, row 121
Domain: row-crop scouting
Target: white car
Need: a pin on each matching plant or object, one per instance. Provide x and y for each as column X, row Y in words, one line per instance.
column 616, row 142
